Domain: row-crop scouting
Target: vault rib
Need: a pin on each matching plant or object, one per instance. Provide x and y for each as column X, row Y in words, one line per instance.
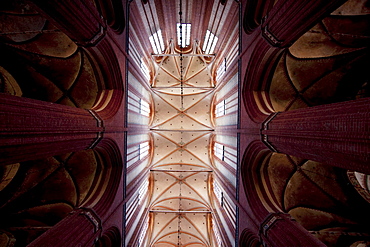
column 166, row 156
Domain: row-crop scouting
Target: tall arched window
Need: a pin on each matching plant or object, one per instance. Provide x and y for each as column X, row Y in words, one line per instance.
column 156, row 40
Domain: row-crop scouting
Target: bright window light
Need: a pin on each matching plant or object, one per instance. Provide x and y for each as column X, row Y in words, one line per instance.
column 216, row 232
column 217, row 190
column 219, row 151
column 144, row 69
column 144, row 108
column 221, row 70
column 209, row 43
column 142, row 190
column 156, row 40
column 183, row 32
column 138, row 105
column 143, row 150
column 143, row 232
column 221, row 108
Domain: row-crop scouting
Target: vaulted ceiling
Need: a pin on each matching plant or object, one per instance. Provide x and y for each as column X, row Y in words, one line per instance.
column 180, row 203
column 182, row 84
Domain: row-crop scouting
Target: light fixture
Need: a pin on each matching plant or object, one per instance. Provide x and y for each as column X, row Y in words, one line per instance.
column 181, row 40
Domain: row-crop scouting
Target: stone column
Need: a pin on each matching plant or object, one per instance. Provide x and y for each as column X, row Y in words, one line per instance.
column 288, row 20
column 335, row 134
column 32, row 129
column 279, row 229
column 80, row 20
column 81, row 228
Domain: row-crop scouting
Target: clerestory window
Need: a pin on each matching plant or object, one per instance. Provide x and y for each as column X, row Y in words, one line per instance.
column 219, row 151
column 137, row 152
column 144, row 69
column 138, row 105
column 221, row 108
column 183, row 34
column 221, row 70
column 143, row 150
column 156, row 40
column 209, row 43
column 144, row 108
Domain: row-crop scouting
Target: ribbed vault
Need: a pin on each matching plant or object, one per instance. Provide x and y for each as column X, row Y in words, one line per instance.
column 181, row 170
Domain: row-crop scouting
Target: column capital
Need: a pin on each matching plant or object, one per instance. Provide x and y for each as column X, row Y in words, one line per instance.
column 81, row 228
column 80, row 20
column 288, row 20
column 280, row 229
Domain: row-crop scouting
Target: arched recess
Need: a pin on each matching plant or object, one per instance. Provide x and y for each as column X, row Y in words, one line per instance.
column 256, row 80
column 107, row 65
column 318, row 197
column 41, row 62
column 36, row 195
column 249, row 239
column 252, row 158
column 110, row 238
column 105, row 194
column 327, row 64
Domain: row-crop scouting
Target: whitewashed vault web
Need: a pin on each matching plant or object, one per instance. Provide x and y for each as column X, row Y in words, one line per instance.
column 181, row 172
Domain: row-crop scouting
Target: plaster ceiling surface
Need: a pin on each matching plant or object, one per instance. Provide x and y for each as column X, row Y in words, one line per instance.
column 173, row 112
column 181, row 170
column 183, row 90
column 180, row 191
column 191, row 70
column 191, row 230
column 175, row 148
